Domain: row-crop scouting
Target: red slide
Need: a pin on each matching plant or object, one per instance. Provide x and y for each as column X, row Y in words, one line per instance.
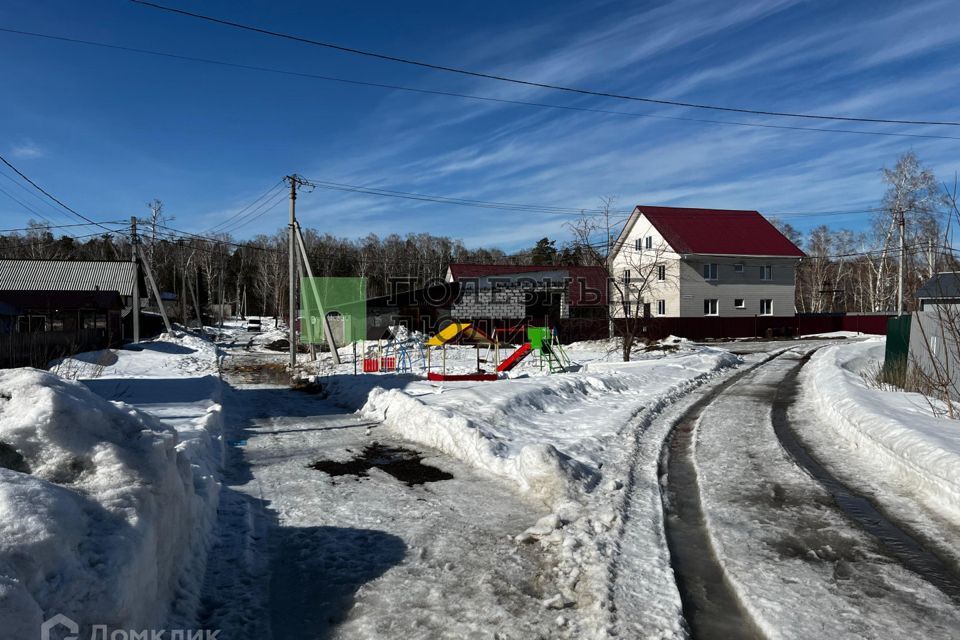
column 515, row 357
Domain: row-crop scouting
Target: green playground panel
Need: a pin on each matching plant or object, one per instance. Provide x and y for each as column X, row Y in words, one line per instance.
column 537, row 337
column 344, row 296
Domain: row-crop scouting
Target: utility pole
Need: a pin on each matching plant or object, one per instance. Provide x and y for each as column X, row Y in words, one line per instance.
column 292, row 249
column 136, row 279
column 221, row 285
column 901, row 223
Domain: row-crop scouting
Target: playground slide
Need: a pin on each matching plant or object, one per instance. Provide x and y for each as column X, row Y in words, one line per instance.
column 515, row 357
column 455, row 329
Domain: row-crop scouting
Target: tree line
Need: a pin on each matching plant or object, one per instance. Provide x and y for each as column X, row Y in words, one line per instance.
column 845, row 270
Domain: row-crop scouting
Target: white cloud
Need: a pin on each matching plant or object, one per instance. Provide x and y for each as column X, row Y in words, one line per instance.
column 27, row 150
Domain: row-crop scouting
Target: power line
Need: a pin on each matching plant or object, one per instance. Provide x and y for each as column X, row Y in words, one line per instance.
column 241, row 211
column 468, row 96
column 60, row 226
column 530, row 83
column 263, row 209
column 49, row 195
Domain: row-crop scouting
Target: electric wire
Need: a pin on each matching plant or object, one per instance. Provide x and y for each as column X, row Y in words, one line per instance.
column 530, row 83
column 455, row 94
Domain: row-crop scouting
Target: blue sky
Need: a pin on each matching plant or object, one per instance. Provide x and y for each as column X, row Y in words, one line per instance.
column 106, row 130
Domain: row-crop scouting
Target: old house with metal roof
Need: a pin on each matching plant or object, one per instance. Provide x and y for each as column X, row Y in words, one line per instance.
column 679, row 262
column 50, row 308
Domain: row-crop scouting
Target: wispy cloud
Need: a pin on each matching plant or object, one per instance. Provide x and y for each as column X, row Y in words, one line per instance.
column 27, row 150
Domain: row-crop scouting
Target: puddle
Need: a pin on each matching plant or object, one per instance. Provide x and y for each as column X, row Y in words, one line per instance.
column 403, row 464
column 260, row 373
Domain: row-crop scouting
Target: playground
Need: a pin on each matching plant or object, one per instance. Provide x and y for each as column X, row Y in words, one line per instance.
column 461, row 351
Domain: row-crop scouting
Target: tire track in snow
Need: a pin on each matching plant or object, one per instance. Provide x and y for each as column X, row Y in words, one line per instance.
column 711, row 607
column 901, row 544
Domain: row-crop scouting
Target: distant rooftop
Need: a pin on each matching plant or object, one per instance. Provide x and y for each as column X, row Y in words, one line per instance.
column 67, row 275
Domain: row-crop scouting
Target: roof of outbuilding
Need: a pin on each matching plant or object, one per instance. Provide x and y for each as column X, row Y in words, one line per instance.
column 67, row 275
column 716, row 231
column 942, row 285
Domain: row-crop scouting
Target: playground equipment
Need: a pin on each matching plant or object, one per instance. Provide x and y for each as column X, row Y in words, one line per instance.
column 522, row 352
column 542, row 340
column 460, row 331
column 401, row 354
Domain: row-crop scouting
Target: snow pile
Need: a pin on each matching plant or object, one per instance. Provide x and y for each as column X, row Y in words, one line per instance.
column 896, row 430
column 101, row 513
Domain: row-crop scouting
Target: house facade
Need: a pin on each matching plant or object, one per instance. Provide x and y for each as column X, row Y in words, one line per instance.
column 681, row 262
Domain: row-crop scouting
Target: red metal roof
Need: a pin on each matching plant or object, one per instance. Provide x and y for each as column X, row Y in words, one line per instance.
column 719, row 232
column 588, row 285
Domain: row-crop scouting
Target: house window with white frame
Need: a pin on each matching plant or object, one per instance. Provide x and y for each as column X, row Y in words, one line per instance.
column 739, row 304
column 766, row 272
column 710, row 307
column 661, row 273
column 637, row 244
column 738, row 268
column 710, row 271
column 626, row 276
column 766, row 307
column 648, row 242
column 661, row 307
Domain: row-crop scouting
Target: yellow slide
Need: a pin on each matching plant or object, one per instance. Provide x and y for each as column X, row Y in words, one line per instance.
column 455, row 329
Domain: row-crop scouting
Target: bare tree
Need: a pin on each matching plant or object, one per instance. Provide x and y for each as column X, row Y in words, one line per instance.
column 635, row 277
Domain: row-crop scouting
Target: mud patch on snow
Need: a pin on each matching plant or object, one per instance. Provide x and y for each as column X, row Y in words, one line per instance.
column 403, row 464
column 11, row 459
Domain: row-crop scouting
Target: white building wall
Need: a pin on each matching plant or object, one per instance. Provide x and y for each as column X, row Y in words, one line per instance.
column 642, row 263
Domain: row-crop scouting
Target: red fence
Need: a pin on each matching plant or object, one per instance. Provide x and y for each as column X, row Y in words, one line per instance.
column 703, row 328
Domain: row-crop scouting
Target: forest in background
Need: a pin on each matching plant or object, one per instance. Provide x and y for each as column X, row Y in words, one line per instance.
column 845, row 270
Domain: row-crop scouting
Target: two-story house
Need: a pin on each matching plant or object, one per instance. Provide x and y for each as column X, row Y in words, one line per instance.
column 680, row 262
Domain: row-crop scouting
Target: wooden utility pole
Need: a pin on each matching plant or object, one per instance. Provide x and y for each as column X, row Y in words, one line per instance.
column 154, row 288
column 136, row 279
column 292, row 250
column 324, row 320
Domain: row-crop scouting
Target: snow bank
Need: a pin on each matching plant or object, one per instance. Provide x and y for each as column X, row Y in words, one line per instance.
column 896, row 430
column 101, row 510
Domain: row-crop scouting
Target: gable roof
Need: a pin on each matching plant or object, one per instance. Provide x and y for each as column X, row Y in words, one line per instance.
column 67, row 275
column 731, row 232
column 583, row 279
column 944, row 285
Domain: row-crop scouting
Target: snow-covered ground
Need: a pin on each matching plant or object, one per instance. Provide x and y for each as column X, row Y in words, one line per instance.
column 887, row 444
column 568, row 440
column 895, row 432
column 797, row 564
column 107, row 506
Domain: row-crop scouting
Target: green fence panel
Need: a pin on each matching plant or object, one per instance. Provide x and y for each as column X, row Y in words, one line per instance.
column 898, row 343
column 343, row 300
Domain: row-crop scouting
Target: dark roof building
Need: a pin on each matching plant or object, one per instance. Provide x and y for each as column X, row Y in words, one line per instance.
column 587, row 286
column 68, row 275
column 720, row 232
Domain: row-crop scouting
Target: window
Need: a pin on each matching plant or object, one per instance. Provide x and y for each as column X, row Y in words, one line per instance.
column 766, row 272
column 738, row 303
column 637, row 244
column 661, row 272
column 648, row 242
column 738, row 268
column 766, row 307
column 661, row 307
column 626, row 276
column 710, row 271
column 710, row 307
column 646, row 309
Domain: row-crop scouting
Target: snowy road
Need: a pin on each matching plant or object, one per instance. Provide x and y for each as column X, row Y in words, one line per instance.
column 304, row 554
column 764, row 547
